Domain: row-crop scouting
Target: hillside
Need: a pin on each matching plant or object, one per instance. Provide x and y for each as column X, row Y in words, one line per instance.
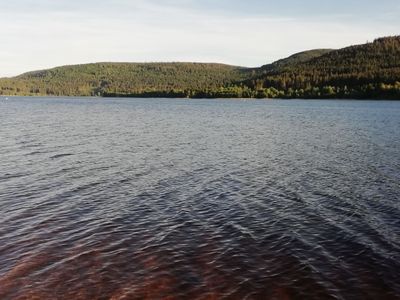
column 122, row 78
column 295, row 59
column 370, row 70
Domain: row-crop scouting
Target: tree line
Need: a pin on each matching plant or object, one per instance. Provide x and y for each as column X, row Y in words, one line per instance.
column 370, row 71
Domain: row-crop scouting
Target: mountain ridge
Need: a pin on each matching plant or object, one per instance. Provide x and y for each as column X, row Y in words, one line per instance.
column 369, row 70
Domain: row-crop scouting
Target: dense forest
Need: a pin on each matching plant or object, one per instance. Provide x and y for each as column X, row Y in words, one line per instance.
column 369, row 71
column 122, row 78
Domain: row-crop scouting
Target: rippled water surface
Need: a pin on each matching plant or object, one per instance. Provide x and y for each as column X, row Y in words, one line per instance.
column 199, row 199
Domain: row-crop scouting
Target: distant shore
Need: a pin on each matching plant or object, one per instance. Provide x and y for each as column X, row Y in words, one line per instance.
column 367, row 71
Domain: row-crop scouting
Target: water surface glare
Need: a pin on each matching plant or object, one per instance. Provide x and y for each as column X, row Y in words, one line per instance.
column 199, row 199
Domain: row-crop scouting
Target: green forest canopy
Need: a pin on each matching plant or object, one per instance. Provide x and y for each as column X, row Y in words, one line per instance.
column 370, row 70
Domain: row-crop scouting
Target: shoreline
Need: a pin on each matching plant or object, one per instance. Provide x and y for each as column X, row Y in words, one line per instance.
column 195, row 98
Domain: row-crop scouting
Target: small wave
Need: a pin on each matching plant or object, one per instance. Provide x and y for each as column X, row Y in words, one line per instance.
column 35, row 153
column 61, row 155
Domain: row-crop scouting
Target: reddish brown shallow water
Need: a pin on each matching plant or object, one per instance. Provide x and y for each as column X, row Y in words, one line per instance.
column 155, row 199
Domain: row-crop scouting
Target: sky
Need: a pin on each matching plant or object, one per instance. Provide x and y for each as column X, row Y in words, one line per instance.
column 39, row 34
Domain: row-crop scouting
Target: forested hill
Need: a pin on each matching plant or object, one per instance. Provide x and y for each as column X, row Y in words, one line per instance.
column 294, row 59
column 123, row 78
column 370, row 71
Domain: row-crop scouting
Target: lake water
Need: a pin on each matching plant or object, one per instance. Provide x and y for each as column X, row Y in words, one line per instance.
column 199, row 199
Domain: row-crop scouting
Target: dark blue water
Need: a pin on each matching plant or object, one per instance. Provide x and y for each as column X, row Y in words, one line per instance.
column 199, row 199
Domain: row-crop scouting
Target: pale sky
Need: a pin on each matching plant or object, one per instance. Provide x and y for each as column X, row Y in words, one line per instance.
column 38, row 34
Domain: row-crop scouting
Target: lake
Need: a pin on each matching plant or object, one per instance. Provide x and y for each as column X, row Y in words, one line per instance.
column 199, row 199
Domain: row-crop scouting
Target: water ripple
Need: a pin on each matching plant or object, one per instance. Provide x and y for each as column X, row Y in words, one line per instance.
column 156, row 199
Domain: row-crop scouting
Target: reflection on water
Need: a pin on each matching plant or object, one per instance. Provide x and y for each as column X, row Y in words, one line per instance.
column 199, row 199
